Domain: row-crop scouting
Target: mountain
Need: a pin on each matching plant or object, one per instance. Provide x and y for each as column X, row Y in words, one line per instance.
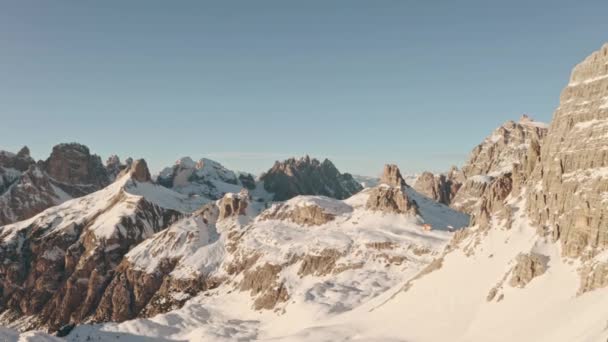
column 306, row 176
column 57, row 264
column 267, row 256
column 138, row 261
column 206, row 180
column 495, row 157
column 27, row 187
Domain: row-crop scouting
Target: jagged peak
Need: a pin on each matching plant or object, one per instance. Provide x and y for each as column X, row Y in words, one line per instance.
column 139, row 171
column 392, row 176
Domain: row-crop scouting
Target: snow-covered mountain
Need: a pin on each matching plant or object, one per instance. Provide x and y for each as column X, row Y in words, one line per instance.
column 207, row 180
column 139, row 261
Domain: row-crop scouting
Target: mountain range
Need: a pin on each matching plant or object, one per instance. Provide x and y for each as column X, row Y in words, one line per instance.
column 511, row 246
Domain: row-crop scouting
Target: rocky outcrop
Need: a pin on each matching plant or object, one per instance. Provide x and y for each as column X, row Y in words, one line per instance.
column 569, row 186
column 508, row 150
column 233, row 205
column 20, row 161
column 441, row 188
column 391, row 176
column 527, row 267
column 73, row 164
column 306, row 210
column 390, row 196
column 27, row 188
column 594, row 275
column 306, row 176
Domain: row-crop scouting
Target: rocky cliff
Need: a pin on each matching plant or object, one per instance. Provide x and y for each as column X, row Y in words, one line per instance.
column 306, row 176
column 569, row 187
column 504, row 151
column 441, row 188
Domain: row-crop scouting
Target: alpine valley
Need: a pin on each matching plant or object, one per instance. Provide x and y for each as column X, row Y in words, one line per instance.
column 510, row 246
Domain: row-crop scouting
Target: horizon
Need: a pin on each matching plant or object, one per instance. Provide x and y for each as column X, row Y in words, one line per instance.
column 247, row 84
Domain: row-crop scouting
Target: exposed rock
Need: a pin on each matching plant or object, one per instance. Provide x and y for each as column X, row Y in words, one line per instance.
column 441, row 188
column 319, row 265
column 20, row 161
column 263, row 283
column 139, row 171
column 392, row 176
column 74, row 164
column 594, row 275
column 233, row 205
column 569, row 186
column 306, row 176
column 492, row 201
column 306, row 210
column 509, row 150
column 527, row 267
column 61, row 268
column 391, row 200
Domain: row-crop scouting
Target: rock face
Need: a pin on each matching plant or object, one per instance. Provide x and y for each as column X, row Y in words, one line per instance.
column 570, row 185
column 441, row 188
column 27, row 188
column 527, row 267
column 232, row 205
column 306, row 176
column 73, row 164
column 12, row 166
column 391, row 197
column 505, row 151
column 20, row 161
column 391, row 176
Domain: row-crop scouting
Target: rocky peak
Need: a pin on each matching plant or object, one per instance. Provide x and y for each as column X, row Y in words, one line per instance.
column 308, row 176
column 234, row 205
column 440, row 188
column 139, row 171
column 20, row 161
column 392, row 176
column 390, row 196
column 24, row 152
column 74, row 164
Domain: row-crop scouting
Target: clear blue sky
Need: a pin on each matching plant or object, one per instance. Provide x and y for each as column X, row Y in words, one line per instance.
column 419, row 83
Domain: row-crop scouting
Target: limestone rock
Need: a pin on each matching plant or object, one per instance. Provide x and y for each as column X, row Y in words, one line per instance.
column 569, row 185
column 306, row 176
column 441, row 188
column 73, row 164
column 391, row 176
column 508, row 150
column 527, row 267
column 234, row 205
column 391, row 200
column 139, row 171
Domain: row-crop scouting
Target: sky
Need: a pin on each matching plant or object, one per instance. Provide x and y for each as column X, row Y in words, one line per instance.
column 363, row 83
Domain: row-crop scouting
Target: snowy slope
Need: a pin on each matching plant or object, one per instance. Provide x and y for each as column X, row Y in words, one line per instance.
column 325, row 269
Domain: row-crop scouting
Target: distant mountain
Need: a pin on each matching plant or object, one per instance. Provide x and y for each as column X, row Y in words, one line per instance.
column 27, row 187
column 308, row 176
column 206, row 180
